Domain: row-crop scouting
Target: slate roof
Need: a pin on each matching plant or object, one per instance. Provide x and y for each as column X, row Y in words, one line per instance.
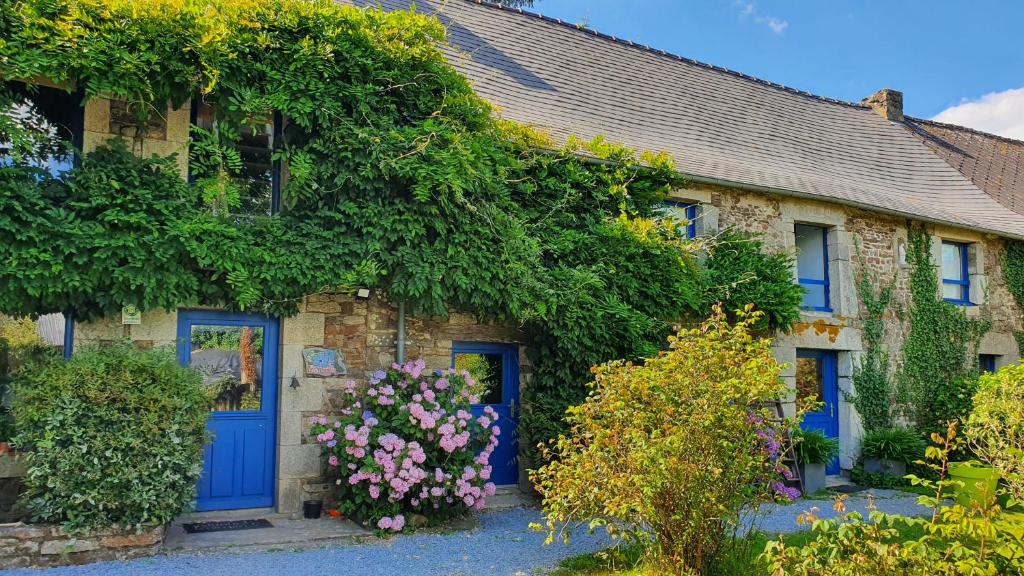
column 995, row 164
column 719, row 125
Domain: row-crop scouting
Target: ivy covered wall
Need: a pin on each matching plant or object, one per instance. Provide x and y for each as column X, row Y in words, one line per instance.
column 398, row 177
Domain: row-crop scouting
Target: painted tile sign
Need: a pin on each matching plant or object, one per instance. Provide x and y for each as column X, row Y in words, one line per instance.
column 323, row 362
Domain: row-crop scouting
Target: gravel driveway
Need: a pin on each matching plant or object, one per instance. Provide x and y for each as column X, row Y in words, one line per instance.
column 501, row 545
column 782, row 518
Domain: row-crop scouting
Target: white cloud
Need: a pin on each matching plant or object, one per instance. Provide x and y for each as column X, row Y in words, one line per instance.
column 999, row 113
column 777, row 25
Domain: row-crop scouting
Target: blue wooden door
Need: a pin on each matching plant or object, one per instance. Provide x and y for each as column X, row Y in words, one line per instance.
column 237, row 356
column 498, row 366
column 817, row 381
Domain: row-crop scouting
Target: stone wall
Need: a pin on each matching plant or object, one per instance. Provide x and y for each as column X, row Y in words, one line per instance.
column 366, row 332
column 40, row 545
column 860, row 243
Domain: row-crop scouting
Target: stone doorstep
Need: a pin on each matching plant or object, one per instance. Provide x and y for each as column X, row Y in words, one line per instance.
column 287, row 533
column 292, row 532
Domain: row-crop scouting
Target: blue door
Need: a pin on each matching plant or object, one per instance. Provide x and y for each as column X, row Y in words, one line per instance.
column 496, row 365
column 817, row 381
column 237, row 356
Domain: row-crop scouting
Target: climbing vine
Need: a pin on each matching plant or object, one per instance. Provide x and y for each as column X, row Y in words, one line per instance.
column 399, row 178
column 1013, row 273
column 874, row 392
column 939, row 362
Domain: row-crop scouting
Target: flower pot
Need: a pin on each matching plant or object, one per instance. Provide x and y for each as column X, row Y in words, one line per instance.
column 813, row 476
column 311, row 509
column 979, row 482
column 885, row 466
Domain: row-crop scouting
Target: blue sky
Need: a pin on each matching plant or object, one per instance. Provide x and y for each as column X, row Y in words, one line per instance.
column 960, row 61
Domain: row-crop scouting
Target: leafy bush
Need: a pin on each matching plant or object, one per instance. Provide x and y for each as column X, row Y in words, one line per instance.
column 673, row 450
column 995, row 428
column 738, row 272
column 813, row 447
column 899, row 444
column 115, row 437
column 955, row 540
column 408, row 444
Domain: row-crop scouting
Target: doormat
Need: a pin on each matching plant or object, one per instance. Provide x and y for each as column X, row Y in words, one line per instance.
column 847, row 488
column 226, row 525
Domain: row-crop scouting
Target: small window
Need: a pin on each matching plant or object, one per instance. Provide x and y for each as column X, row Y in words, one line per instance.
column 812, row 266
column 956, row 284
column 259, row 176
column 987, row 363
column 487, row 369
column 681, row 212
column 53, row 118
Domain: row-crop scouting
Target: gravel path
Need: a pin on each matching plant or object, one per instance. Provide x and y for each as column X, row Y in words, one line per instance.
column 501, row 545
column 782, row 518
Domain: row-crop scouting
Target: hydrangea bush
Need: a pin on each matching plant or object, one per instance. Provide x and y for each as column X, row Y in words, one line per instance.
column 407, row 443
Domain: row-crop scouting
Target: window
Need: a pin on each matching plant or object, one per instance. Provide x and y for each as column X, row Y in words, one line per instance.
column 987, row 362
column 53, row 119
column 956, row 283
column 812, row 266
column 681, row 212
column 259, row 177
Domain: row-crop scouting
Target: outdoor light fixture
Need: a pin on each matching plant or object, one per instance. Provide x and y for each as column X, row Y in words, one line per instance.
column 295, row 382
column 363, row 294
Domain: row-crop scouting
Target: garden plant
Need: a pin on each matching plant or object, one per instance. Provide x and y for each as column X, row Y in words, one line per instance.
column 673, row 451
column 407, row 444
column 995, row 428
column 112, row 437
column 954, row 540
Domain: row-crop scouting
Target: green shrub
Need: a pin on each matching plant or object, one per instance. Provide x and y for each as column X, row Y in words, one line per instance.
column 954, row 540
column 813, row 447
column 115, row 437
column 899, row 444
column 738, row 271
column 672, row 451
column 995, row 427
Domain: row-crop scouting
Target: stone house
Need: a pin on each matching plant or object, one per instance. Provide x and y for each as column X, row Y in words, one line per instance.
column 838, row 182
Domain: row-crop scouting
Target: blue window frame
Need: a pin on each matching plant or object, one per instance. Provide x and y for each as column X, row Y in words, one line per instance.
column 956, row 282
column 812, row 266
column 680, row 211
column 261, row 176
column 987, row 362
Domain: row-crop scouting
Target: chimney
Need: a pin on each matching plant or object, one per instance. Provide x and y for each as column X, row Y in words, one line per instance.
column 887, row 103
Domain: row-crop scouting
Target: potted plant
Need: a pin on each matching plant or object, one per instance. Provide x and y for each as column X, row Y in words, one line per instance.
column 814, row 451
column 889, row 450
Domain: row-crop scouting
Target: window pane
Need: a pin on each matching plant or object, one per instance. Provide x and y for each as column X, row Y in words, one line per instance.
column 682, row 214
column 808, row 383
column 810, row 258
column 952, row 262
column 952, row 292
column 814, row 296
column 49, row 116
column 230, row 358
column 255, row 147
column 487, row 370
column 987, row 362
